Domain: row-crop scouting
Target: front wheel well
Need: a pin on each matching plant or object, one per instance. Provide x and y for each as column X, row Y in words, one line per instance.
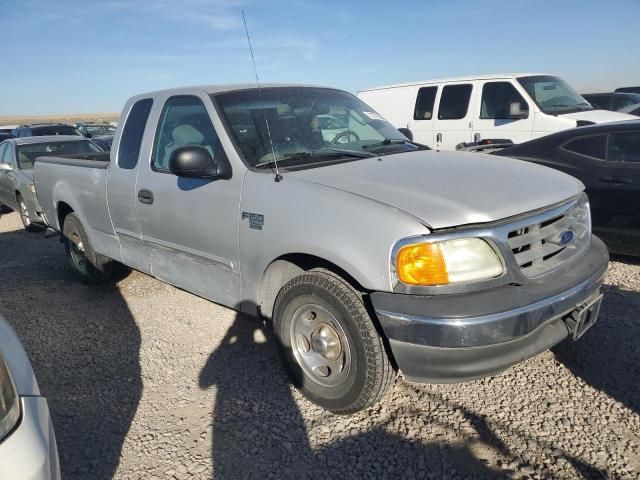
column 286, row 267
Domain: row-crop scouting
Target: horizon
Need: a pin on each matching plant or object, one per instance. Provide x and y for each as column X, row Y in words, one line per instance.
column 116, row 49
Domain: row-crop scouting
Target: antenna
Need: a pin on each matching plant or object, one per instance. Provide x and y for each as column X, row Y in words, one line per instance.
column 266, row 121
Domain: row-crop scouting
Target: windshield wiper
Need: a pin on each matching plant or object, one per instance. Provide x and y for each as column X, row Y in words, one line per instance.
column 394, row 141
column 325, row 152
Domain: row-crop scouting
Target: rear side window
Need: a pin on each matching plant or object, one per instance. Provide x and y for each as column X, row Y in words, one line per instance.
column 454, row 102
column 131, row 137
column 624, row 147
column 424, row 103
column 593, row 146
column 496, row 98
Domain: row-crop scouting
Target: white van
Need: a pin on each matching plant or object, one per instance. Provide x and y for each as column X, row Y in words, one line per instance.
column 518, row 107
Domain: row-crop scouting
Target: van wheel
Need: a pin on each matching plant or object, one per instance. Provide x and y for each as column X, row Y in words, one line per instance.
column 329, row 344
column 90, row 267
column 23, row 210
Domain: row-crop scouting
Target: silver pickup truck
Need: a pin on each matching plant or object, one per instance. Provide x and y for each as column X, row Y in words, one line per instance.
column 370, row 254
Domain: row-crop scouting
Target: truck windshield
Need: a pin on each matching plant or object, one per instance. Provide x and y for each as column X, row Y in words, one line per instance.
column 553, row 95
column 28, row 153
column 314, row 124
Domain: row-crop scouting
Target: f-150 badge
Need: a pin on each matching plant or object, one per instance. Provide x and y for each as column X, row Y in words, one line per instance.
column 256, row 220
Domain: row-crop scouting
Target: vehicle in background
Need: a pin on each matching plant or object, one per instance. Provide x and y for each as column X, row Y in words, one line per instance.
column 91, row 130
column 606, row 159
column 444, row 113
column 615, row 102
column 632, row 110
column 6, row 136
column 461, row 264
column 17, row 156
column 103, row 141
column 45, row 129
column 7, row 128
column 628, row 89
column 28, row 448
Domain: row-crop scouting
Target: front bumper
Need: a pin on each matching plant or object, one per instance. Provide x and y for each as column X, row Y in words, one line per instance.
column 451, row 338
column 30, row 452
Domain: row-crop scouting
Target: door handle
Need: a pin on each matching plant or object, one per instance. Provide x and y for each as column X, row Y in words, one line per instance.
column 476, row 137
column 438, row 138
column 145, row 196
column 618, row 180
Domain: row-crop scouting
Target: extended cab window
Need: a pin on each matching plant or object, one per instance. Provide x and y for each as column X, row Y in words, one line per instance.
column 496, row 98
column 131, row 138
column 184, row 121
column 454, row 102
column 424, row 103
column 593, row 146
column 624, row 147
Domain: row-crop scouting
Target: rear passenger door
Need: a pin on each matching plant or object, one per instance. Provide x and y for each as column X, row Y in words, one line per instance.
column 190, row 225
column 454, row 121
column 493, row 117
column 422, row 122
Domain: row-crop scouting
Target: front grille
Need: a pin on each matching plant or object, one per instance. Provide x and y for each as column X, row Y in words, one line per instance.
column 546, row 245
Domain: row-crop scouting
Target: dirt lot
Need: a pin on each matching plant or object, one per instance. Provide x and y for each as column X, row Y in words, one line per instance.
column 147, row 381
column 70, row 118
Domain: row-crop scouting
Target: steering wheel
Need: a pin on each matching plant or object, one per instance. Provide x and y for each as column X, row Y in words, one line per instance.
column 346, row 134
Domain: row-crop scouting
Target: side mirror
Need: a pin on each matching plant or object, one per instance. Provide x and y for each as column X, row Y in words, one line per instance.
column 407, row 133
column 5, row 167
column 515, row 111
column 194, row 161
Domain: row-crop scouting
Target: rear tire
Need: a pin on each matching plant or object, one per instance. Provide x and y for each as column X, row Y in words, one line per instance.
column 23, row 211
column 88, row 265
column 329, row 344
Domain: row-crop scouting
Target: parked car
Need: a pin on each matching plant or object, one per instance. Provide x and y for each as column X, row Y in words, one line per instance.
column 462, row 264
column 103, row 141
column 17, row 191
column 28, row 448
column 606, row 158
column 615, row 102
column 628, row 89
column 46, row 129
column 95, row 129
column 445, row 113
column 7, row 128
column 6, row 136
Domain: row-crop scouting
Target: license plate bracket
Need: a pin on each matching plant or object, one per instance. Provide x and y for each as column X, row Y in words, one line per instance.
column 584, row 317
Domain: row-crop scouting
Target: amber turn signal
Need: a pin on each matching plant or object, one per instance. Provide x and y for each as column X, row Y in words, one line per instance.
column 421, row 264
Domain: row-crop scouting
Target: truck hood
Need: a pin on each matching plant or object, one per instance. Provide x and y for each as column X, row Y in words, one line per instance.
column 599, row 116
column 448, row 189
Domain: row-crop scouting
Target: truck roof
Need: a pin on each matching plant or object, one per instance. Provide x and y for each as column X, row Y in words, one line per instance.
column 455, row 79
column 210, row 89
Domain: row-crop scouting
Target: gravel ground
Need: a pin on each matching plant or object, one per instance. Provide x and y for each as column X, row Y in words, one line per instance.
column 147, row 381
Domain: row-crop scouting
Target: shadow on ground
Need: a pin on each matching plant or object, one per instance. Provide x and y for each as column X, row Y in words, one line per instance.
column 259, row 430
column 604, row 357
column 84, row 345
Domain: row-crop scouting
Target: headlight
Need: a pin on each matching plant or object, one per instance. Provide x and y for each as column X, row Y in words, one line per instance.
column 446, row 262
column 9, row 401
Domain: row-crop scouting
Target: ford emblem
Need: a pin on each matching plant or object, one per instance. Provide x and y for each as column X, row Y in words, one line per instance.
column 566, row 237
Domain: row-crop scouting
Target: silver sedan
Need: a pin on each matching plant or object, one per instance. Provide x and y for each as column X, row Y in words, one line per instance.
column 28, row 448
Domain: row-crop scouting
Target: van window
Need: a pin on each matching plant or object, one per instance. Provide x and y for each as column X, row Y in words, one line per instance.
column 454, row 102
column 424, row 103
column 624, row 147
column 496, row 97
column 131, row 137
column 593, row 146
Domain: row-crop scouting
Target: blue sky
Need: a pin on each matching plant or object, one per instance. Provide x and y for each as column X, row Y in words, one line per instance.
column 90, row 56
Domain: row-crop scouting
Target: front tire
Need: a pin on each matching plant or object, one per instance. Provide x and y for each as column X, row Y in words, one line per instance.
column 23, row 211
column 88, row 265
column 329, row 344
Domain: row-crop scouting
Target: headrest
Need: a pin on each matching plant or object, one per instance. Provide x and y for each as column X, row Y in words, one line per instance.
column 187, row 135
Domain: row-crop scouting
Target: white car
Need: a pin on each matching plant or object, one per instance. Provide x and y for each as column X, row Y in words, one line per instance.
column 517, row 107
column 28, row 448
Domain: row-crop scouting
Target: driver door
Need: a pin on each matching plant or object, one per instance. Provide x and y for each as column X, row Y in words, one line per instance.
column 189, row 226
